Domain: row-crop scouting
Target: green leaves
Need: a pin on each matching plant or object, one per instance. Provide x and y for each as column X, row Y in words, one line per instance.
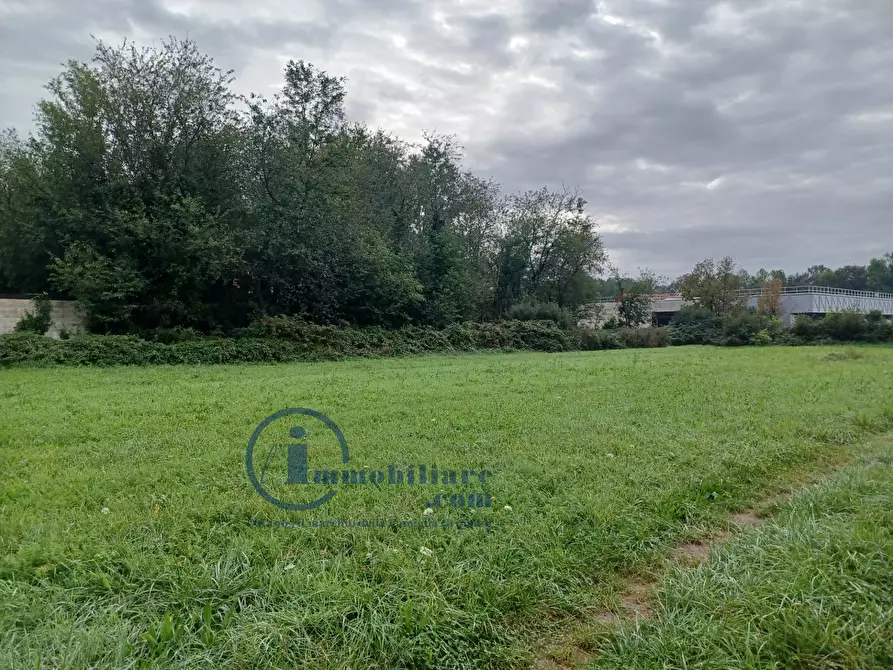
column 174, row 629
column 152, row 200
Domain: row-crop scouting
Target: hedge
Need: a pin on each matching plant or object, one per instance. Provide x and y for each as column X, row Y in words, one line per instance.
column 285, row 339
column 695, row 325
column 282, row 340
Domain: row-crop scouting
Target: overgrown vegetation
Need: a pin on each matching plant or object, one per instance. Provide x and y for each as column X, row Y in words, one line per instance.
column 739, row 327
column 284, row 339
column 543, row 312
column 124, row 543
column 158, row 199
column 38, row 321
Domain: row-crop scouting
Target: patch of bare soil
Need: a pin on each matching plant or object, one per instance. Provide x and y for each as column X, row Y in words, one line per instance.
column 637, row 600
column 747, row 519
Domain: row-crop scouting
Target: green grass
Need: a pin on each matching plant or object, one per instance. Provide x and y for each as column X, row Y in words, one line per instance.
column 605, row 459
column 811, row 589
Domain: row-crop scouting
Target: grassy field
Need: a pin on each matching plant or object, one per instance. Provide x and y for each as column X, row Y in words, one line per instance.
column 125, row 542
column 811, row 589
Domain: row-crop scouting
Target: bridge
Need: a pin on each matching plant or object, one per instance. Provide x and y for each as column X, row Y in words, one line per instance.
column 821, row 300
column 810, row 300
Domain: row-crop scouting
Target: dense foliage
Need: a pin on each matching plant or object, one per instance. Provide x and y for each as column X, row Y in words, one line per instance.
column 282, row 339
column 158, row 198
column 698, row 325
column 876, row 275
column 38, row 321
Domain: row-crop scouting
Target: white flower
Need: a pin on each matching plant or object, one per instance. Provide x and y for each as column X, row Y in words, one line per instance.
column 105, row 510
column 290, row 566
column 428, row 511
column 424, row 551
column 507, row 508
column 609, row 455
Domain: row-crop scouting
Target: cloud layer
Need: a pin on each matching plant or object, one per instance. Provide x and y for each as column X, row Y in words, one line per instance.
column 757, row 128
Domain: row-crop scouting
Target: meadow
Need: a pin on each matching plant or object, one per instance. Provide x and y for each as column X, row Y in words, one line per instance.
column 131, row 536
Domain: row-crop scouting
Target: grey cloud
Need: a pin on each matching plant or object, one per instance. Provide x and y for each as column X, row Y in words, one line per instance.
column 760, row 128
column 550, row 15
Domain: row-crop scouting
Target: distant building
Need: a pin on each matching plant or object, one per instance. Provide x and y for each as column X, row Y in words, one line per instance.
column 814, row 301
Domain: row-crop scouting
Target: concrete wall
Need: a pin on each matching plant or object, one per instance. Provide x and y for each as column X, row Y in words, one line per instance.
column 64, row 315
column 596, row 314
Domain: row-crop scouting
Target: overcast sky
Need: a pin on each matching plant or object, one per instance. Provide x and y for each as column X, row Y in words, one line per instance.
column 762, row 129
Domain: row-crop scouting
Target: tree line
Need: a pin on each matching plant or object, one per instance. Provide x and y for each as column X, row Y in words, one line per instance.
column 158, row 198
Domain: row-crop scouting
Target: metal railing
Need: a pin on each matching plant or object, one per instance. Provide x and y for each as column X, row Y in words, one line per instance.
column 823, row 290
column 653, row 296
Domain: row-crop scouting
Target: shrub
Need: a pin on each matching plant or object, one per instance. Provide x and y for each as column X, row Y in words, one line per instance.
column 591, row 339
column 643, row 338
column 845, row 326
column 297, row 341
column 542, row 312
column 693, row 325
column 38, row 321
column 740, row 327
column 170, row 335
column 594, row 340
column 611, row 323
column 761, row 338
column 806, row 328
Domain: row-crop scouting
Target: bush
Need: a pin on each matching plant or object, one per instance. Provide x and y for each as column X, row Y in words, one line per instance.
column 611, row 323
column 38, row 321
column 761, row 338
column 643, row 338
column 741, row 327
column 296, row 341
column 170, row 335
column 806, row 328
column 622, row 338
column 595, row 340
column 542, row 312
column 844, row 327
column 693, row 325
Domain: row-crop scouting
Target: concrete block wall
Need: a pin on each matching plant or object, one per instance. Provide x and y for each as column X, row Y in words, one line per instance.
column 64, row 315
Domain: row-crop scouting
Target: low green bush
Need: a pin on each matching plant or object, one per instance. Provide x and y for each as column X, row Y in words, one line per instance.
column 622, row 338
column 846, row 326
column 643, row 338
column 38, row 321
column 542, row 312
column 694, row 325
column 282, row 340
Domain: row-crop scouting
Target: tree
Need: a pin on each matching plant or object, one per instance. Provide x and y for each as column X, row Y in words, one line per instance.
column 713, row 285
column 549, row 253
column 635, row 297
column 136, row 184
column 769, row 301
column 811, row 277
column 879, row 274
column 158, row 198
